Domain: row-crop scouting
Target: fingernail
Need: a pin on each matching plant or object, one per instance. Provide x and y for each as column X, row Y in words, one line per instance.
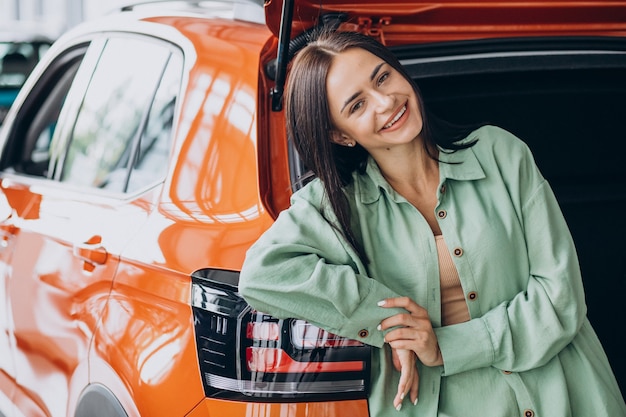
column 381, row 303
column 379, row 327
column 399, row 406
column 402, row 396
column 415, row 402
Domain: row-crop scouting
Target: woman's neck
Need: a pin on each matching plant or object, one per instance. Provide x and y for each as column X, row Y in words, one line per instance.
column 409, row 167
column 413, row 174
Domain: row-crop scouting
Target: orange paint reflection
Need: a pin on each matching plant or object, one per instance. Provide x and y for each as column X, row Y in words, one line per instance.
column 353, row 408
column 215, row 178
column 147, row 336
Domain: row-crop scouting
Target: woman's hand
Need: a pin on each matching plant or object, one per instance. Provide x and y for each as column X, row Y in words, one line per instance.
column 404, row 361
column 415, row 331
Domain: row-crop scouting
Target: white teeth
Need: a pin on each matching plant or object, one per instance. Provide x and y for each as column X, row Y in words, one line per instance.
column 395, row 119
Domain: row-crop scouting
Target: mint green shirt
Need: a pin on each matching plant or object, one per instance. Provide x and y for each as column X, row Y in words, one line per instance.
column 528, row 349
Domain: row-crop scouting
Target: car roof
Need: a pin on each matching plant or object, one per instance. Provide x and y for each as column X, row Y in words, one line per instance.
column 244, row 10
column 164, row 18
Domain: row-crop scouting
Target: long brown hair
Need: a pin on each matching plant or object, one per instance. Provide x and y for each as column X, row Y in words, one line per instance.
column 310, row 126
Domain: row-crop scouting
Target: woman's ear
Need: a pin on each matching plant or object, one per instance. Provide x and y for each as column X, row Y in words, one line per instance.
column 341, row 139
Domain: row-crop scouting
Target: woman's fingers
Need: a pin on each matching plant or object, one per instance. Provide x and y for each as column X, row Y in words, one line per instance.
column 409, row 378
column 415, row 312
column 401, row 320
column 411, row 331
column 403, row 302
column 396, row 360
column 418, row 338
column 415, row 388
column 404, row 386
column 423, row 343
column 406, row 320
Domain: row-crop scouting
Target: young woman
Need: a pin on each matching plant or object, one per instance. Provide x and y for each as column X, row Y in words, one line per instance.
column 442, row 247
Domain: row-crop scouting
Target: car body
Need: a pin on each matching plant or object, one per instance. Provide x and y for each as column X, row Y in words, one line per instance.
column 147, row 151
column 21, row 46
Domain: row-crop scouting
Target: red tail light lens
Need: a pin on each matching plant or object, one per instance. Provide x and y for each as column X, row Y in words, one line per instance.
column 263, row 331
column 278, row 361
column 307, row 336
column 245, row 354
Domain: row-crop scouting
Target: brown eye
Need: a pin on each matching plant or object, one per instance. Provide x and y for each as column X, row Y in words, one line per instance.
column 357, row 106
column 383, row 77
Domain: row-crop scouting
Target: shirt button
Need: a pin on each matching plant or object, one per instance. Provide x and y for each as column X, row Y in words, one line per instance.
column 363, row 333
column 529, row 413
column 472, row 295
column 442, row 214
column 507, row 372
column 442, row 190
column 458, row 252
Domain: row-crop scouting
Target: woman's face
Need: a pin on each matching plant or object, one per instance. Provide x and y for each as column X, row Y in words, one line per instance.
column 370, row 102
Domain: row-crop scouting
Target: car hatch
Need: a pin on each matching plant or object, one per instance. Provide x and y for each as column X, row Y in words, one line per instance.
column 407, row 21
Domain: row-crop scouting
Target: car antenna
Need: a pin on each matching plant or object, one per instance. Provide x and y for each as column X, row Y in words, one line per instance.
column 282, row 58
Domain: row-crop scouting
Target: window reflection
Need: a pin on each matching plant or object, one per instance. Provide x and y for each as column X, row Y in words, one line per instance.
column 115, row 104
column 154, row 148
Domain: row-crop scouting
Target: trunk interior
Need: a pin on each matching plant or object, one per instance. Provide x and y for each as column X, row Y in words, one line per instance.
column 570, row 107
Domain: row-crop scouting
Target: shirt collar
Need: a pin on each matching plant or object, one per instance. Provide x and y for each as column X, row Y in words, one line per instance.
column 461, row 165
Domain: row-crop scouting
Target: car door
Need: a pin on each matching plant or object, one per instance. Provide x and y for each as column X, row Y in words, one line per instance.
column 27, row 131
column 87, row 188
column 6, row 357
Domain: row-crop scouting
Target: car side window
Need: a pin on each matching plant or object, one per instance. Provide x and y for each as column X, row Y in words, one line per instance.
column 131, row 84
column 28, row 146
column 152, row 156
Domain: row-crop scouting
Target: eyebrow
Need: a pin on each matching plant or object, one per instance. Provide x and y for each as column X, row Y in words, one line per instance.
column 355, row 95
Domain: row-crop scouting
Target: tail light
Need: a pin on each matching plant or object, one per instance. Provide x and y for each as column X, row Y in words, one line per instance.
column 246, row 354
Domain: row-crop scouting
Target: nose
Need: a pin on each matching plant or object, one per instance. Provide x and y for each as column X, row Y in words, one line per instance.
column 383, row 101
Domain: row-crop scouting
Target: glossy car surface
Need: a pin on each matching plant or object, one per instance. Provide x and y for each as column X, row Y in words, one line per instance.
column 143, row 157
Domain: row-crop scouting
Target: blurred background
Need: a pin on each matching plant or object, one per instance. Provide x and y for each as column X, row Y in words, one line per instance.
column 28, row 28
column 52, row 16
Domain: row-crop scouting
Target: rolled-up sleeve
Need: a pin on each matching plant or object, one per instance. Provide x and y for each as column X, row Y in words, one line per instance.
column 302, row 268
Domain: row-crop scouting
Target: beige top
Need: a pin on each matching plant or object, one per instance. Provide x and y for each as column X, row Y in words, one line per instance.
column 453, row 306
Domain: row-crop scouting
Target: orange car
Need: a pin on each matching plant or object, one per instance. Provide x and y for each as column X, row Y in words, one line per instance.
column 146, row 152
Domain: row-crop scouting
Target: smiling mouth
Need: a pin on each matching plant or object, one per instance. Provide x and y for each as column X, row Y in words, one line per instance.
column 395, row 118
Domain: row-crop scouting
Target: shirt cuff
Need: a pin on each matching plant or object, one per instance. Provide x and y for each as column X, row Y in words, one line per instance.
column 368, row 315
column 465, row 346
